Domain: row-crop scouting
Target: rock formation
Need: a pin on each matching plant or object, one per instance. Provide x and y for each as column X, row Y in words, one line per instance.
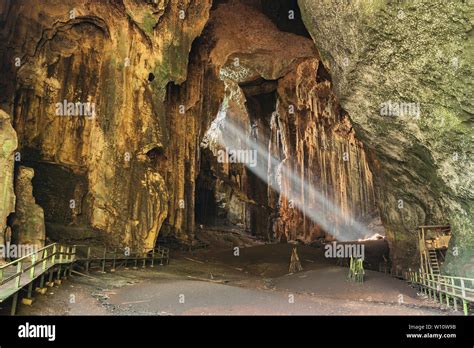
column 109, row 64
column 120, row 109
column 28, row 221
column 318, row 139
column 8, row 144
column 275, row 95
column 416, row 60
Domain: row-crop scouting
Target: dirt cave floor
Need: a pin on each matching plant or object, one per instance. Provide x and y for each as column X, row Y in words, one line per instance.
column 219, row 283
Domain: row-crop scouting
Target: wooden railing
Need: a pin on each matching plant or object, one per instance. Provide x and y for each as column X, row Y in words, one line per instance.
column 46, row 257
column 56, row 260
column 444, row 288
column 113, row 256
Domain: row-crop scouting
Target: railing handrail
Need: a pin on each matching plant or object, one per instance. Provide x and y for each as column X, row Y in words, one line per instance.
column 448, row 277
column 433, row 280
column 65, row 252
column 58, row 254
column 14, row 262
column 39, row 256
column 132, row 253
column 442, row 275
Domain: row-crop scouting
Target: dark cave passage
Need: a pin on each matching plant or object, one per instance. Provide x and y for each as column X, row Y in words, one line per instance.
column 228, row 194
column 260, row 108
column 207, row 209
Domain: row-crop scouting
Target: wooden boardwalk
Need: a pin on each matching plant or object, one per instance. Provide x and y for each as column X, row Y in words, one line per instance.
column 445, row 289
column 49, row 265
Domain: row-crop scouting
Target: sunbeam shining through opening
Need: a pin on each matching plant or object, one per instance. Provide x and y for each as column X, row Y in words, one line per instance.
column 320, row 209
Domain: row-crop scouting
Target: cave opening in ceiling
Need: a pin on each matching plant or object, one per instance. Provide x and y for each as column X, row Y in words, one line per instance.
column 286, row 14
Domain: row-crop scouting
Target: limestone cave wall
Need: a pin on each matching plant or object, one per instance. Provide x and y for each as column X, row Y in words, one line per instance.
column 128, row 170
column 96, row 177
column 418, row 54
column 158, row 82
column 314, row 136
column 278, row 93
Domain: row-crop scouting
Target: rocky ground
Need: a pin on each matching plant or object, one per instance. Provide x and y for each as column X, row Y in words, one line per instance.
column 218, row 282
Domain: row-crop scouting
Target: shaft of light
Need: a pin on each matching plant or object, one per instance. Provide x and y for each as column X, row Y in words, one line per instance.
column 345, row 227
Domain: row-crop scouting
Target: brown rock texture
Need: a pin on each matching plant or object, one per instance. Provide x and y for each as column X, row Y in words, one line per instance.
column 316, row 140
column 28, row 221
column 190, row 108
column 265, row 73
column 8, row 144
column 119, row 56
column 115, row 106
column 218, row 64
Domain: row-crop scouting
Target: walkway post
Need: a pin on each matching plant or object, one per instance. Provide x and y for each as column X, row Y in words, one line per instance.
column 33, row 264
column 30, row 290
column 50, row 277
column 464, row 302
column 455, row 300
column 18, row 271
column 103, row 261
column 54, row 254
column 446, row 292
column 14, row 303
column 61, row 250
column 45, row 259
column 73, row 256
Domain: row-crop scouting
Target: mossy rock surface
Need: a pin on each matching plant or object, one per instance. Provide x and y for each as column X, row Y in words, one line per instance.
column 419, row 52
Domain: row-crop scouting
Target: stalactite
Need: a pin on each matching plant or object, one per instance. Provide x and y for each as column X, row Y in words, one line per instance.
column 326, row 154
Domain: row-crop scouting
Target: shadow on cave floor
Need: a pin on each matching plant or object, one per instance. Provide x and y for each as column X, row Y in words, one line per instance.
column 221, row 236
